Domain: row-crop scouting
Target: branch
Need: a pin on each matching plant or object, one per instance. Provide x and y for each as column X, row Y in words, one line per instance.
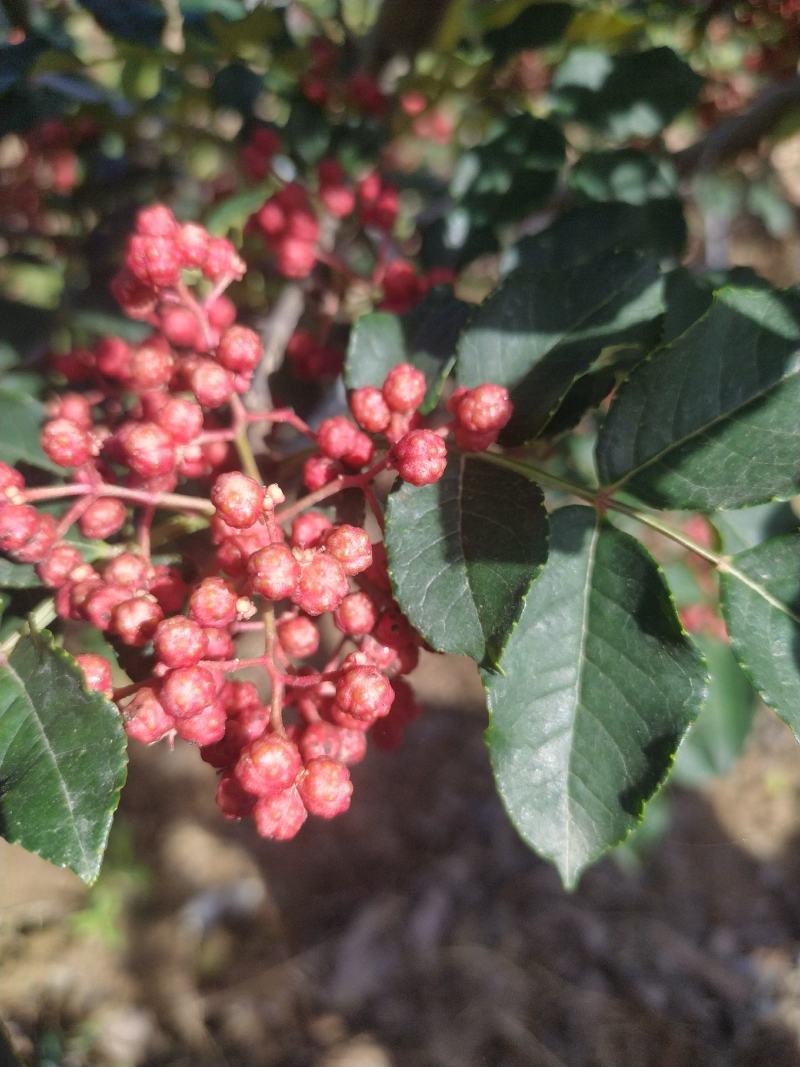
column 740, row 131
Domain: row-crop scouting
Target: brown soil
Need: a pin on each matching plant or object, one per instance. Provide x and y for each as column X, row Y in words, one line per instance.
column 416, row 931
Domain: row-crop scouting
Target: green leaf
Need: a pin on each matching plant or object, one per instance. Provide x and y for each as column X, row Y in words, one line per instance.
column 625, row 175
column 748, row 527
column 233, row 212
column 20, row 424
column 593, row 230
column 426, row 337
column 710, row 420
column 463, row 552
column 598, row 686
column 625, row 96
column 512, row 172
column 62, row 757
column 689, row 296
column 717, row 738
column 536, row 26
column 135, row 21
column 541, row 330
column 760, row 592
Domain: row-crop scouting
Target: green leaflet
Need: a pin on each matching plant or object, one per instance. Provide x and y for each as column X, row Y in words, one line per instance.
column 62, row 757
column 463, row 552
column 761, row 602
column 598, row 686
column 540, row 330
column 709, row 420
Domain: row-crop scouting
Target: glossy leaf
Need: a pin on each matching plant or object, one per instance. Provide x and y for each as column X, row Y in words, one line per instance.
column 591, row 231
column 598, row 686
column 463, row 552
column 426, row 337
column 62, row 758
column 709, row 421
column 761, row 604
column 629, row 95
column 540, row 331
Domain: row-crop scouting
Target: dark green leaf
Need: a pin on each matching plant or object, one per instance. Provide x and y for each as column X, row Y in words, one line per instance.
column 463, row 552
column 426, row 337
column 511, row 173
column 710, row 420
column 62, row 758
column 585, row 394
column 24, row 326
column 135, row 21
column 625, row 175
column 20, row 424
column 717, row 739
column 688, row 296
column 307, row 132
column 761, row 602
column 537, row 25
column 633, row 95
column 599, row 685
column 591, row 231
column 541, row 330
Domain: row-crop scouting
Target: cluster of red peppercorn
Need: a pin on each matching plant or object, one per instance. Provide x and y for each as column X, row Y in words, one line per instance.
column 323, row 85
column 139, row 419
column 40, row 163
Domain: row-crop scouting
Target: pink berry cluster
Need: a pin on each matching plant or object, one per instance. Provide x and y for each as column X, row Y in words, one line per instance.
column 138, row 422
column 324, row 86
column 267, row 771
column 289, row 220
column 150, row 407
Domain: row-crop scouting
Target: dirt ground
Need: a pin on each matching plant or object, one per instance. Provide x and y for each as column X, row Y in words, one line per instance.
column 417, row 930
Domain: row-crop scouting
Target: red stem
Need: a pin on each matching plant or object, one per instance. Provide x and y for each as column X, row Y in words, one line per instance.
column 173, row 501
column 72, row 514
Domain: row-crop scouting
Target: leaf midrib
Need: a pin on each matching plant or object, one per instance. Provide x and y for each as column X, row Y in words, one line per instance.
column 568, row 820
column 49, row 749
column 706, row 427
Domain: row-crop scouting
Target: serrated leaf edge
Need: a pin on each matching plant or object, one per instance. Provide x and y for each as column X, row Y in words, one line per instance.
column 571, row 883
column 46, row 637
